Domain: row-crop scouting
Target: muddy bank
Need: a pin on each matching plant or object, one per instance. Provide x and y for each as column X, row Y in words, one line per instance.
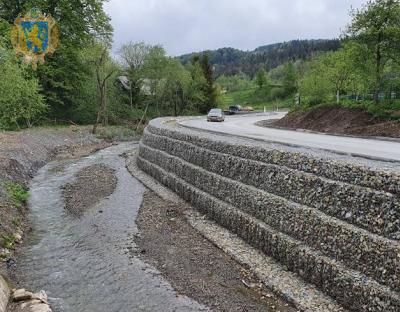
column 193, row 265
column 92, row 184
column 21, row 155
column 338, row 120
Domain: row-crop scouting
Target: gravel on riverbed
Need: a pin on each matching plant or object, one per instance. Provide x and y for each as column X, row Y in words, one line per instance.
column 193, row 265
column 92, row 184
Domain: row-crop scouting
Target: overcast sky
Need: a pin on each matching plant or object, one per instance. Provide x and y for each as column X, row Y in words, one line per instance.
column 184, row 26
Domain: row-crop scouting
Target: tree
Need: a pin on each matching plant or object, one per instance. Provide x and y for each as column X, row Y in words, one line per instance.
column 198, row 84
column 289, row 79
column 315, row 86
column 63, row 75
column 104, row 68
column 20, row 101
column 133, row 56
column 261, row 78
column 210, row 90
column 337, row 69
column 377, row 28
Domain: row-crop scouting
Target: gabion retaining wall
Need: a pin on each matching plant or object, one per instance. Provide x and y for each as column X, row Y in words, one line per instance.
column 334, row 223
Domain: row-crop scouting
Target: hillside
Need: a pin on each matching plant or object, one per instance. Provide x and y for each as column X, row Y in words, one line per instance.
column 230, row 61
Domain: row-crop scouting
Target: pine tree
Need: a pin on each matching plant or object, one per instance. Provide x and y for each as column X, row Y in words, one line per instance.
column 210, row 90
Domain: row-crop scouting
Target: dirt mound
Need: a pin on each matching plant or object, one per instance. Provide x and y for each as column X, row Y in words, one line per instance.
column 340, row 120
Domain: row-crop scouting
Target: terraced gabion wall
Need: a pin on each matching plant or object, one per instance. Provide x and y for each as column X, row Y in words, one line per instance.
column 334, row 222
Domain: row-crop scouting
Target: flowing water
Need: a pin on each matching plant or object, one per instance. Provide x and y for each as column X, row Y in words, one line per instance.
column 84, row 263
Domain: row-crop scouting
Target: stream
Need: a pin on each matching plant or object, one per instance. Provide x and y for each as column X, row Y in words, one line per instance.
column 84, row 264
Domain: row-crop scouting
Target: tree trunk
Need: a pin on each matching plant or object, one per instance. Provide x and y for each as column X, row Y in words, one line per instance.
column 378, row 76
column 100, row 112
column 176, row 103
column 337, row 96
column 94, row 130
column 104, row 106
column 130, row 94
column 144, row 115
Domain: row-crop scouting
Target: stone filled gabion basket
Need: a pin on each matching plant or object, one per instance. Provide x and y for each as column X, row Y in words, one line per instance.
column 333, row 221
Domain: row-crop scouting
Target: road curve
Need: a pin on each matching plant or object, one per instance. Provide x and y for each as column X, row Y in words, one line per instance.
column 244, row 126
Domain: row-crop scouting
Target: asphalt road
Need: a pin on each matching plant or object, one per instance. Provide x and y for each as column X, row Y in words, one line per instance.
column 244, row 126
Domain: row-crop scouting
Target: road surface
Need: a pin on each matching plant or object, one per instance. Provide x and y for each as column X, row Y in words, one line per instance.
column 244, row 126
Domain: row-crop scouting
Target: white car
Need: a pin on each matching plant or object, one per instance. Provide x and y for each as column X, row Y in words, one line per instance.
column 216, row 114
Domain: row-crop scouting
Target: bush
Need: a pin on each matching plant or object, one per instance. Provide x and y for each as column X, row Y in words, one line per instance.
column 20, row 101
column 278, row 93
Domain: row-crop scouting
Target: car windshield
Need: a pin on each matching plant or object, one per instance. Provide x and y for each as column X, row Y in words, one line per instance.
column 215, row 111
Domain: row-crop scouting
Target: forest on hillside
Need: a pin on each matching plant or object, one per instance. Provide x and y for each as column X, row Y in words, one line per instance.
column 230, row 61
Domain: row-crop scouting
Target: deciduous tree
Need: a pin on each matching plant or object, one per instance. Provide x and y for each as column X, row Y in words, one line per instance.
column 377, row 28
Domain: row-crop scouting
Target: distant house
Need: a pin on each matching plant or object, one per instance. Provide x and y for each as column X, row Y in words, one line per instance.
column 145, row 87
column 124, row 81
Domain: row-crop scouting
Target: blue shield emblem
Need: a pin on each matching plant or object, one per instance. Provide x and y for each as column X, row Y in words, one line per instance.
column 36, row 35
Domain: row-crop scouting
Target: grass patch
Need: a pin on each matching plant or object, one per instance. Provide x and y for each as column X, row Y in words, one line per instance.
column 257, row 99
column 8, row 241
column 17, row 192
column 117, row 133
column 16, row 222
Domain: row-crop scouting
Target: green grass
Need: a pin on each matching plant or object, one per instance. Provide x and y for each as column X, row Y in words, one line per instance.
column 252, row 97
column 8, row 241
column 17, row 192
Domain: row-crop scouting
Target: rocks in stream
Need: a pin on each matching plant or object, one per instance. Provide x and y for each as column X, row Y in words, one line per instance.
column 26, row 301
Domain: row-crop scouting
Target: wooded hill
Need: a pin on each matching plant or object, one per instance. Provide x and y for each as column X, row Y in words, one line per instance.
column 230, row 61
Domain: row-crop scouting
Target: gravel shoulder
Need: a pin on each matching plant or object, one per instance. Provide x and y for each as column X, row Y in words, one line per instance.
column 193, row 265
column 92, row 184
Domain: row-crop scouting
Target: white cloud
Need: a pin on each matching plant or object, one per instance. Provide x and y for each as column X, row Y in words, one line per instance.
column 183, row 26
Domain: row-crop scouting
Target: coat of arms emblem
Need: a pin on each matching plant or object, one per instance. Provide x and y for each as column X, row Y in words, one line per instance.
column 33, row 36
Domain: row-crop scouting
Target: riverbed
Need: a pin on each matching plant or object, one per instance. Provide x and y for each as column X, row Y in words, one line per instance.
column 86, row 263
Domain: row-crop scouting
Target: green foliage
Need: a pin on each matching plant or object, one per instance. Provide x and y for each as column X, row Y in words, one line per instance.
column 365, row 68
column 63, row 77
column 20, row 101
column 210, row 90
column 290, row 78
column 17, row 193
column 257, row 99
column 261, row 78
column 234, row 83
column 8, row 241
column 376, row 28
column 230, row 62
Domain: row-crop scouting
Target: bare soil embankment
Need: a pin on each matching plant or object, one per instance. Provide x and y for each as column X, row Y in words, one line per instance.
column 339, row 120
